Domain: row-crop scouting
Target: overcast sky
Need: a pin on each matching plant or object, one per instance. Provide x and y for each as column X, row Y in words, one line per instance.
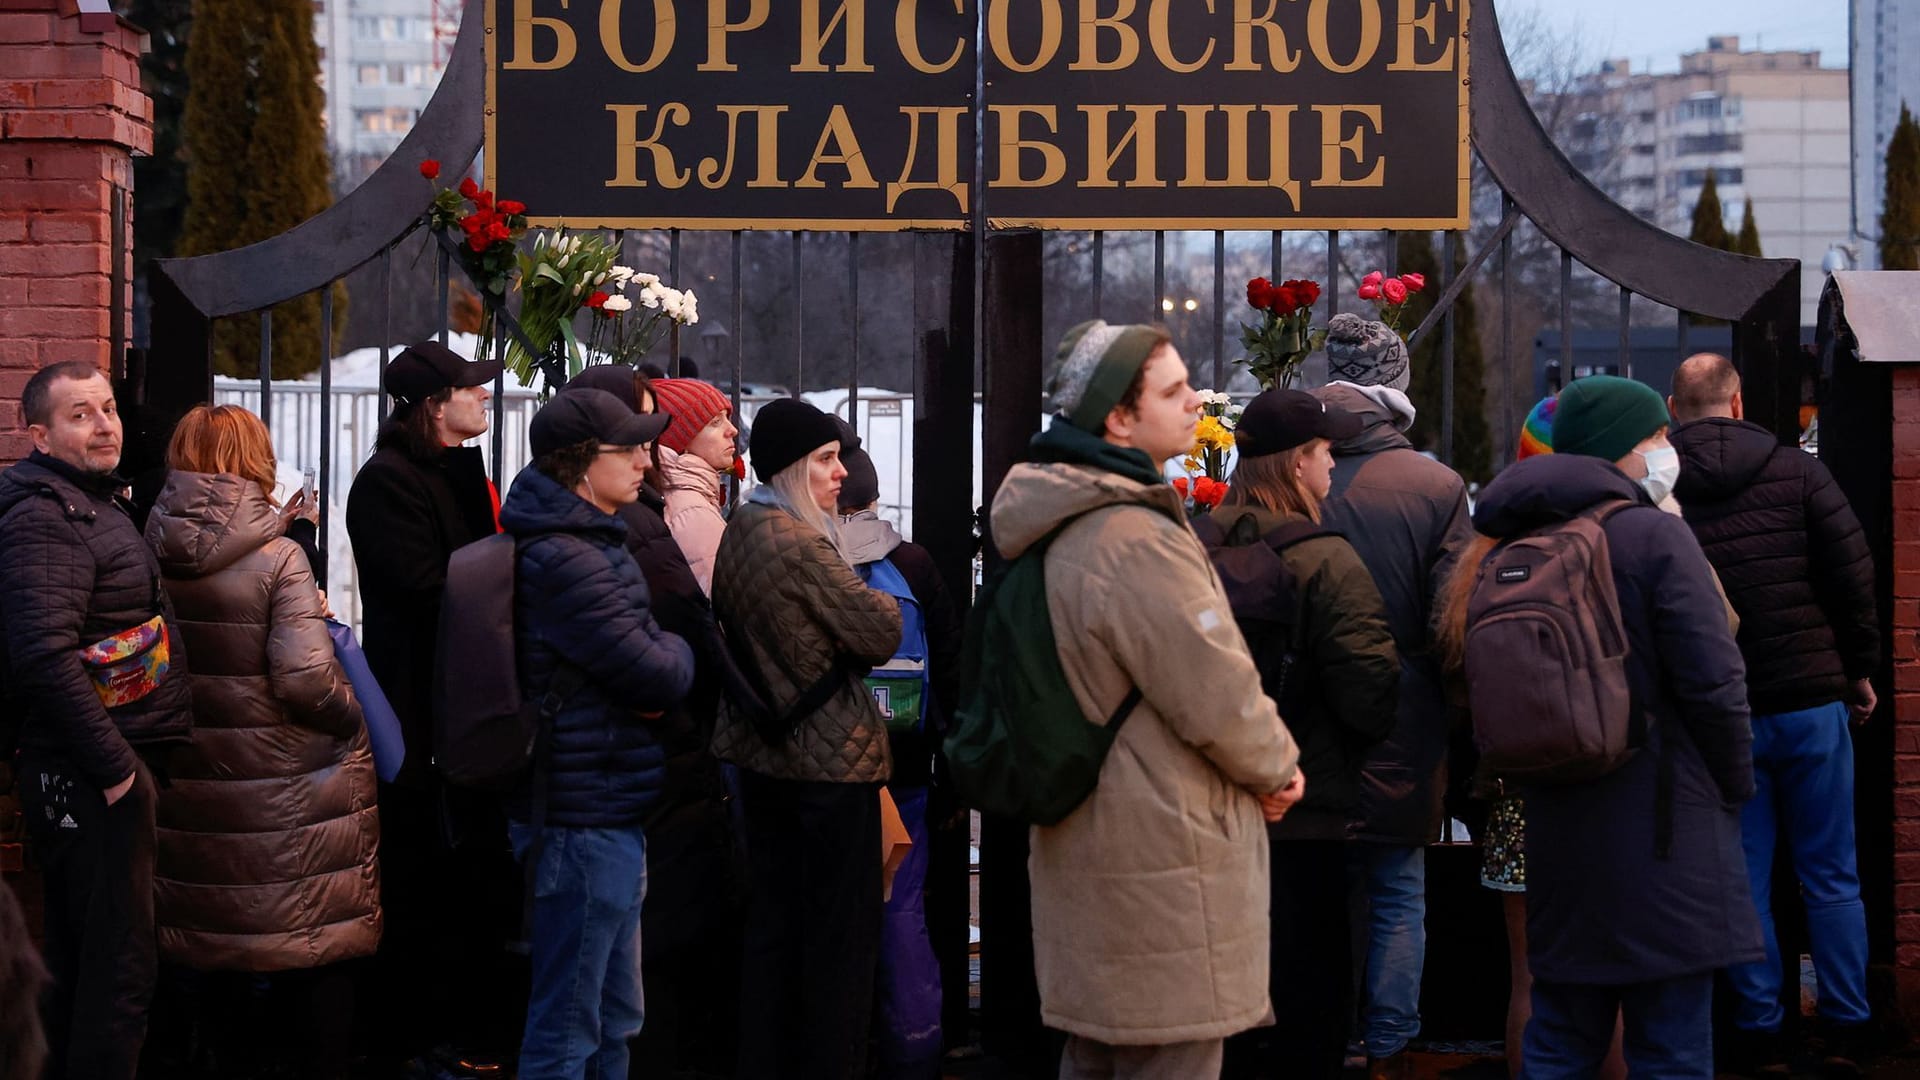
column 1658, row 31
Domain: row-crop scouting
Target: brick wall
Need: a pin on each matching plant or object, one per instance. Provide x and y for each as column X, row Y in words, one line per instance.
column 72, row 115
column 1906, row 685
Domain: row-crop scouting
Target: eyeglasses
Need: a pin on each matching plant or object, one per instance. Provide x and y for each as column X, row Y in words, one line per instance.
column 638, row 450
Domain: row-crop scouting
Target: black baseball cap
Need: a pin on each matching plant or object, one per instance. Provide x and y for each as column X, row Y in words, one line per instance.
column 577, row 415
column 425, row 368
column 1280, row 420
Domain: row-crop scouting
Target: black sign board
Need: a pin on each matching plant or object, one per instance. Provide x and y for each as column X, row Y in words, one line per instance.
column 861, row 114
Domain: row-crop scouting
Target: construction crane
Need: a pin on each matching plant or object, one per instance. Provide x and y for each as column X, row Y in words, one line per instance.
column 446, row 27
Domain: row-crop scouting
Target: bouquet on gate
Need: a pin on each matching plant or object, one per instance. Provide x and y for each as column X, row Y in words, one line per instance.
column 1284, row 335
column 623, row 334
column 1390, row 295
column 1205, row 484
column 491, row 230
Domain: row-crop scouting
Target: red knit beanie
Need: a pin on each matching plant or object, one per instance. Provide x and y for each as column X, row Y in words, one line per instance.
column 693, row 403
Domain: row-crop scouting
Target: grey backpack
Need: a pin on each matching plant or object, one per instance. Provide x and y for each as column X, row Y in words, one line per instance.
column 1546, row 656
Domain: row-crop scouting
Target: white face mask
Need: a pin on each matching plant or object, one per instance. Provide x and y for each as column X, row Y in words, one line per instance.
column 1663, row 468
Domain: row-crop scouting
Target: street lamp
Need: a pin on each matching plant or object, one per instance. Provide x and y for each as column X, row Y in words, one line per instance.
column 713, row 339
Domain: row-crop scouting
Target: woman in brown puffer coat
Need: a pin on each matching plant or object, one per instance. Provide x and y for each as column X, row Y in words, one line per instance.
column 268, row 832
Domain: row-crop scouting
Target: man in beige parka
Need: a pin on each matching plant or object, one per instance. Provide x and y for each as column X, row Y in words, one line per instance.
column 1149, row 899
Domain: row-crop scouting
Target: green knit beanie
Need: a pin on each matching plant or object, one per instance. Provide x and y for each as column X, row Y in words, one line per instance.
column 1605, row 416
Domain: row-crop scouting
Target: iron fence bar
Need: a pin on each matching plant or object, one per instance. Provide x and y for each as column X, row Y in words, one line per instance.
column 799, row 319
column 326, row 417
column 1333, row 272
column 673, row 278
column 1279, row 239
column 1443, row 304
column 1219, row 305
column 1159, row 276
column 266, row 366
column 1447, row 275
column 1626, row 344
column 441, row 276
column 117, row 285
column 1685, row 327
column 1506, row 324
column 853, row 302
column 739, row 313
column 386, row 332
column 1392, row 259
column 1099, row 271
column 1566, row 315
column 499, row 427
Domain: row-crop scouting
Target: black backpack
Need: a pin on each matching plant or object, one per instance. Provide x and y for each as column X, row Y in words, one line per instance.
column 1265, row 597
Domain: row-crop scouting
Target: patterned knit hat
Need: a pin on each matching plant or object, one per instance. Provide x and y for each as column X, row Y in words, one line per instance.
column 1536, row 435
column 1094, row 365
column 693, row 404
column 1365, row 352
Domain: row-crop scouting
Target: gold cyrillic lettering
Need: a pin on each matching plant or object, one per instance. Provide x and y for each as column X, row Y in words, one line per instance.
column 1051, row 25
column 839, row 131
column 1244, row 24
column 1090, row 26
column 766, row 148
column 1317, row 20
column 906, row 27
column 665, row 24
column 1160, row 35
column 524, row 23
column 1103, row 152
column 813, row 37
column 627, row 143
column 1053, row 160
column 718, row 28
column 1239, row 174
column 1410, row 21
column 1332, row 119
column 946, row 154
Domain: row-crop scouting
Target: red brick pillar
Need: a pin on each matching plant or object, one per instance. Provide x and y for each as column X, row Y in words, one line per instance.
column 1906, row 686
column 72, row 115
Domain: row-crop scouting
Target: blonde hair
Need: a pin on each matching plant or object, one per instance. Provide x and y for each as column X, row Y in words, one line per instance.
column 1272, row 481
column 796, row 494
column 224, row 439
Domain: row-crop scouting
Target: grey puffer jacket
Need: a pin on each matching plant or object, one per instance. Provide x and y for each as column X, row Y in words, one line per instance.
column 1406, row 515
column 782, row 591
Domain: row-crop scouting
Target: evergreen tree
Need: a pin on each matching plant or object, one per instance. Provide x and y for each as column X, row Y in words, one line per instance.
column 160, row 178
column 256, row 149
column 1709, row 220
column 1900, row 216
column 1472, row 442
column 1748, row 242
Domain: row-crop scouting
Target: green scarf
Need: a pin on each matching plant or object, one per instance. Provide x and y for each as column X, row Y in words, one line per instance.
column 1064, row 444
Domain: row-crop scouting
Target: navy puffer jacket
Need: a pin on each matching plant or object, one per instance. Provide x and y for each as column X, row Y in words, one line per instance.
column 582, row 598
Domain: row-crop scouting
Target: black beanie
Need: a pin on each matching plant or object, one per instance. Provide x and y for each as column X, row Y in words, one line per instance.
column 785, row 431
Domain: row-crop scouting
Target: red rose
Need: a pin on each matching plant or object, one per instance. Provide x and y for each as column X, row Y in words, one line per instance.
column 511, row 207
column 1307, row 291
column 1260, row 294
column 478, row 241
column 738, row 470
column 1394, row 291
column 499, row 231
column 1368, row 292
column 483, row 200
column 1285, row 300
column 597, row 300
column 1414, row 282
column 1180, row 485
column 468, row 189
column 476, row 222
column 430, row 169
column 1373, row 279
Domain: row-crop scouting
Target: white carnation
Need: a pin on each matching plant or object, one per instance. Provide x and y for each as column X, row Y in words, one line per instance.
column 646, row 279
column 650, row 296
column 617, row 304
column 689, row 308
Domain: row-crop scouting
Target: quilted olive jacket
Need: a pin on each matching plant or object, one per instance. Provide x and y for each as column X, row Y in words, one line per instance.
column 782, row 591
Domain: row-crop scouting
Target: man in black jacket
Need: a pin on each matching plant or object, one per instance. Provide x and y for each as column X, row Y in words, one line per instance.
column 74, row 573
column 1796, row 567
column 420, row 496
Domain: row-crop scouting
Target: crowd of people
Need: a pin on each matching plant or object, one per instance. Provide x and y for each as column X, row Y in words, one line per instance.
column 700, row 870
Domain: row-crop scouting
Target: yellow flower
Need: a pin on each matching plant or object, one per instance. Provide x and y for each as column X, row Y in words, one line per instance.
column 1212, row 435
column 1193, row 464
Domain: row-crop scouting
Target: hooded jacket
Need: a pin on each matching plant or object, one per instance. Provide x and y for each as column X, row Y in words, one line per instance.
column 1603, row 907
column 581, row 599
column 1346, row 672
column 407, row 511
column 783, row 591
column 1150, row 898
column 1406, row 516
column 269, row 832
column 692, row 511
column 867, row 537
column 74, row 571
column 1792, row 557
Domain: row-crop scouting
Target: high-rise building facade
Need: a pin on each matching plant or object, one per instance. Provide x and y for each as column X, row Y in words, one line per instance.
column 380, row 63
column 1886, row 72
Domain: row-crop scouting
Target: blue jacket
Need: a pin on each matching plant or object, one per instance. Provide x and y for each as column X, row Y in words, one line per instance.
column 1602, row 907
column 581, row 597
